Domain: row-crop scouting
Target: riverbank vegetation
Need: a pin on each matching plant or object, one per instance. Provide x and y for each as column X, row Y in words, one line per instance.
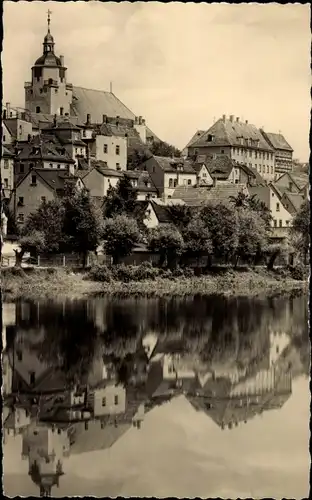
column 144, row 280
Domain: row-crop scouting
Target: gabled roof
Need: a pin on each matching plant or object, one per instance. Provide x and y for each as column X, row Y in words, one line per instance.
column 169, row 165
column 196, row 196
column 195, row 138
column 227, row 133
column 296, row 199
column 96, row 438
column 143, row 179
column 277, row 141
column 44, row 147
column 220, row 167
column 6, row 153
column 98, row 103
column 301, row 180
column 162, row 213
column 55, row 179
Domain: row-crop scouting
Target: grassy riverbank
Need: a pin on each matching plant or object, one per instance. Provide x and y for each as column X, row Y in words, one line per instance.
column 59, row 284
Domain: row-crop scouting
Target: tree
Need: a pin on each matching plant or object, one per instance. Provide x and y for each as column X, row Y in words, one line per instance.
column 120, row 200
column 221, row 221
column 48, row 220
column 301, row 229
column 33, row 242
column 252, row 234
column 181, row 215
column 197, row 238
column 161, row 148
column 82, row 223
column 243, row 200
column 120, row 234
column 168, row 242
column 136, row 157
column 275, row 250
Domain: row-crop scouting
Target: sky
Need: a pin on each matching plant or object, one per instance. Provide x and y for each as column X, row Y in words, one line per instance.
column 182, row 453
column 180, row 66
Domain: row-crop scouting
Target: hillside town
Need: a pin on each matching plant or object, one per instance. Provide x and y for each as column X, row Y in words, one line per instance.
column 91, row 140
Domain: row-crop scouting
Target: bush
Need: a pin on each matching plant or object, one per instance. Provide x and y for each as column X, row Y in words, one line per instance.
column 177, row 272
column 136, row 273
column 17, row 271
column 101, row 273
column 298, row 272
column 165, row 273
column 189, row 272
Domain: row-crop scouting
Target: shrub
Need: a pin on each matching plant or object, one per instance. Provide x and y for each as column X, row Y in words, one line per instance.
column 177, row 272
column 125, row 273
column 165, row 273
column 101, row 273
column 146, row 272
column 17, row 271
column 298, row 272
column 189, row 272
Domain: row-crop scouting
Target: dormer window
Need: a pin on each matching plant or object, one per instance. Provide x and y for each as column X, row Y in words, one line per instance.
column 210, row 138
column 33, row 180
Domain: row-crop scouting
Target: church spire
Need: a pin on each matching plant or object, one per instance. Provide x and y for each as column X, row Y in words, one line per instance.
column 48, row 43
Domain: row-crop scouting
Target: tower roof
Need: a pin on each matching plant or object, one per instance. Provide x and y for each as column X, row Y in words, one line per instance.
column 48, row 58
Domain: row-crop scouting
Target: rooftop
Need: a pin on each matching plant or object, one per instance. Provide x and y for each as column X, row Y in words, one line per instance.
column 277, row 141
column 196, row 196
column 168, row 164
column 227, row 132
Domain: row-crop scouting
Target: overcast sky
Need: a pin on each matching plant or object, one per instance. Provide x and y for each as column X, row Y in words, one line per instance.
column 178, row 65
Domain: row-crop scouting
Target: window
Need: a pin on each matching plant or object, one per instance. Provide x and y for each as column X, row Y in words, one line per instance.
column 6, row 163
column 56, row 91
column 290, row 186
column 117, row 150
column 37, row 109
column 117, row 166
column 268, row 156
column 116, row 400
column 184, row 182
column 6, row 183
column 204, row 174
column 32, row 377
column 222, row 151
column 268, row 169
column 236, row 181
column 41, row 91
column 277, row 207
column 209, row 139
column 31, row 165
column 34, row 180
column 287, row 223
column 250, row 153
column 3, row 138
column 272, row 170
column 170, row 183
column 58, row 165
column 255, row 166
column 256, row 154
column 260, row 154
column 19, row 355
column 50, row 165
column 105, row 148
column 275, row 223
column 84, row 133
column 61, row 111
column 189, row 182
column 21, row 168
column 21, row 201
column 43, row 199
column 103, row 402
column 280, row 223
column 175, row 182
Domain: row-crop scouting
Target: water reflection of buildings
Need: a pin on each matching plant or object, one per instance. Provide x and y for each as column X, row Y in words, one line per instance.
column 97, row 411
column 45, row 448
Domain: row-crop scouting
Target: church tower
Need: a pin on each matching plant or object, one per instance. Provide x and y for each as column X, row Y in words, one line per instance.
column 48, row 91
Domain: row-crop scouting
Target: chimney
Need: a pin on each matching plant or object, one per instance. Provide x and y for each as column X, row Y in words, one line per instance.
column 4, row 114
column 237, row 119
column 143, row 121
column 88, row 119
column 246, row 122
column 7, row 106
column 104, row 119
column 62, row 60
column 135, row 120
column 232, row 118
column 140, row 120
column 223, row 118
column 54, row 121
column 28, row 138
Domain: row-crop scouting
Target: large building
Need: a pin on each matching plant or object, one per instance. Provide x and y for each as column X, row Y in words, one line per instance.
column 283, row 152
column 49, row 93
column 240, row 141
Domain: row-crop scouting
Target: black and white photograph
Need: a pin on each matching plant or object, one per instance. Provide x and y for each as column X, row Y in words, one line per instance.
column 155, row 249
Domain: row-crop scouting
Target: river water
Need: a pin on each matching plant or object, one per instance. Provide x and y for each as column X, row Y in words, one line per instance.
column 205, row 397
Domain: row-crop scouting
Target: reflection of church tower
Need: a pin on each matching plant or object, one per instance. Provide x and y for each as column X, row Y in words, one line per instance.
column 48, row 91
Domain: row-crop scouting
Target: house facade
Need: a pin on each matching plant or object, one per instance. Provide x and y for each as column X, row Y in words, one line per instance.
column 281, row 217
column 283, row 152
column 241, row 142
column 7, row 172
column 98, row 180
column 112, row 150
column 168, row 173
column 39, row 186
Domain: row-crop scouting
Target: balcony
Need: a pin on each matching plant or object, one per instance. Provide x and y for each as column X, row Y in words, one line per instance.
column 27, row 85
column 50, row 83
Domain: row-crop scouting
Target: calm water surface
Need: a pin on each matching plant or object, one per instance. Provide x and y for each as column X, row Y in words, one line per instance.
column 203, row 397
